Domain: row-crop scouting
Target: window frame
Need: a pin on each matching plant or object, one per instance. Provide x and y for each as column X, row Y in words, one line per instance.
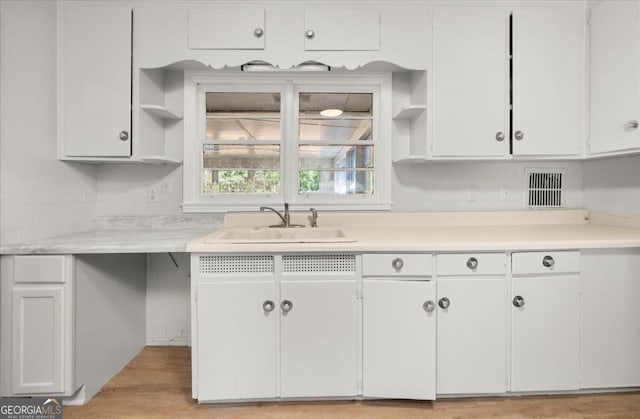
column 197, row 83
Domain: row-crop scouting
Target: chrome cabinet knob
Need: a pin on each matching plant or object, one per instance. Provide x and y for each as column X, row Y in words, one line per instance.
column 124, row 135
column 444, row 303
column 268, row 306
column 519, row 135
column 548, row 261
column 397, row 264
column 309, row 34
column 518, row 301
column 472, row 263
column 286, row 306
column 429, row 306
column 631, row 126
column 258, row 32
column 500, row 136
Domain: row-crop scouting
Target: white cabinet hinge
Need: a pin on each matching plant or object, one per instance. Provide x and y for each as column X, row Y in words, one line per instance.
column 359, row 292
column 360, row 387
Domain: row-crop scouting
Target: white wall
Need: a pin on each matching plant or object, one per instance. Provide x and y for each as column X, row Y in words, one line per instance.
column 613, row 185
column 39, row 195
column 123, row 189
column 498, row 185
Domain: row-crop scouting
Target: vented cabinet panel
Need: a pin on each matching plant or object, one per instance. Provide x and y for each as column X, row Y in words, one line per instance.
column 229, row 265
column 319, row 263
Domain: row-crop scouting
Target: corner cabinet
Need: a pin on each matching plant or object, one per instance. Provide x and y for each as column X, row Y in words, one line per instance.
column 614, row 28
column 294, row 331
column 610, row 315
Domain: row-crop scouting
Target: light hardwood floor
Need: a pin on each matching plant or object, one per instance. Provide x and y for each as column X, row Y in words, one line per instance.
column 157, row 384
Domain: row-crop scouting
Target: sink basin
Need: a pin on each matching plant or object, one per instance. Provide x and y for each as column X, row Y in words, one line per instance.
column 279, row 235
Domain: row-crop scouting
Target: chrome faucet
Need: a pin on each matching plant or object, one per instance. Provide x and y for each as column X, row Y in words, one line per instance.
column 286, row 218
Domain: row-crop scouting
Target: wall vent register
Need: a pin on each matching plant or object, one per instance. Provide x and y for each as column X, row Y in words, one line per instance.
column 545, row 188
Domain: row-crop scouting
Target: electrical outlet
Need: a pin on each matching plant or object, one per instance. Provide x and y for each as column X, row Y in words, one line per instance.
column 504, row 193
column 152, row 195
column 472, row 194
column 166, row 186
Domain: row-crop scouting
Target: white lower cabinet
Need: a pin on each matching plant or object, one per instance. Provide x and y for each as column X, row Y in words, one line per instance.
column 472, row 335
column 545, row 321
column 399, row 326
column 399, row 331
column 318, row 338
column 237, row 333
column 472, row 323
column 37, row 304
column 270, row 326
column 610, row 316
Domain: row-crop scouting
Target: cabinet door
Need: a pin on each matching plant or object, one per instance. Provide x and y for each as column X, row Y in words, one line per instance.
column 399, row 339
column 319, row 336
column 614, row 76
column 40, row 325
column 96, row 69
column 237, row 340
column 545, row 333
column 342, row 29
column 548, row 80
column 470, row 83
column 472, row 335
column 610, row 318
column 225, row 28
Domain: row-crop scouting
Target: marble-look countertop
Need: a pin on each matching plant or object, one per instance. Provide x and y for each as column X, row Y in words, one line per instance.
column 472, row 231
column 156, row 234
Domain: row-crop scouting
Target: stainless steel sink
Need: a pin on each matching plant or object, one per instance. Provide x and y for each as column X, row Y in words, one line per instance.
column 279, row 235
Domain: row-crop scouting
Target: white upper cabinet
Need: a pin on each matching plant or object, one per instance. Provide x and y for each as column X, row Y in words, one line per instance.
column 95, row 82
column 477, row 90
column 548, row 81
column 342, row 29
column 282, row 34
column 614, row 76
column 224, row 28
column 470, row 82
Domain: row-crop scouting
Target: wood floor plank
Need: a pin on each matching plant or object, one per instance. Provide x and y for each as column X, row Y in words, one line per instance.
column 157, row 384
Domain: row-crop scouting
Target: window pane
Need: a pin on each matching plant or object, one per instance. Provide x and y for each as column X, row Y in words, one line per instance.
column 341, row 182
column 239, row 116
column 232, row 103
column 338, row 157
column 240, row 181
column 240, row 169
column 351, row 104
column 243, row 129
column 335, row 129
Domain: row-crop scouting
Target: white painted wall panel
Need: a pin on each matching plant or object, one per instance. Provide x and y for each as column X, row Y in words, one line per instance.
column 39, row 195
column 613, row 185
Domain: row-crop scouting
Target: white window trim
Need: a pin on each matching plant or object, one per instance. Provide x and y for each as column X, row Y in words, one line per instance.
column 195, row 82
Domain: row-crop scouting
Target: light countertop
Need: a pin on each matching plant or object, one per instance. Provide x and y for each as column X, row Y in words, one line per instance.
column 371, row 232
column 125, row 235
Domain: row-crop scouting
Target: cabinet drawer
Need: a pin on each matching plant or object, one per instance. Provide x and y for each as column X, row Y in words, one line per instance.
column 50, row 269
column 400, row 264
column 545, row 262
column 472, row 264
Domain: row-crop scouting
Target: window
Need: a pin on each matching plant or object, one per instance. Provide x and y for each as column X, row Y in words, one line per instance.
column 310, row 140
